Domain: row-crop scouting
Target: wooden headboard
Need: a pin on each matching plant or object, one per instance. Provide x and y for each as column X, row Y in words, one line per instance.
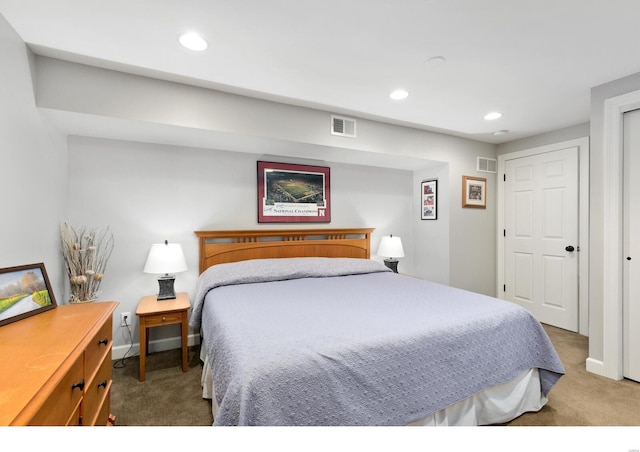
column 218, row 247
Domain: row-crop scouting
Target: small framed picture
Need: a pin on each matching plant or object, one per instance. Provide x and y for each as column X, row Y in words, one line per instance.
column 429, row 200
column 474, row 192
column 24, row 291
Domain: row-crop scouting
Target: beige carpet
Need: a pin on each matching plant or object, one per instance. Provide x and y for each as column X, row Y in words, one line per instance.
column 581, row 398
column 171, row 397
column 167, row 397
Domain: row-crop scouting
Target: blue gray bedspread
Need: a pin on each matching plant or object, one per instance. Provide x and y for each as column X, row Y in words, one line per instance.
column 320, row 341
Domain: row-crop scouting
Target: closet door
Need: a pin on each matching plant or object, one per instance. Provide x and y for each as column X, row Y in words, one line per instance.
column 631, row 246
column 541, row 235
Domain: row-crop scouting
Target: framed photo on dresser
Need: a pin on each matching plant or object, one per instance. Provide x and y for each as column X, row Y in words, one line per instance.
column 24, row 291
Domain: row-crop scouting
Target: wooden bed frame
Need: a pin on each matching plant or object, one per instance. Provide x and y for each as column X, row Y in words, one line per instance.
column 218, row 247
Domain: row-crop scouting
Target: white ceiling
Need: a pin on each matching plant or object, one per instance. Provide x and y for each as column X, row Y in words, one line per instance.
column 533, row 60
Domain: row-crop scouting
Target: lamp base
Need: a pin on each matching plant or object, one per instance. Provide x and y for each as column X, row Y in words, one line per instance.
column 166, row 287
column 392, row 264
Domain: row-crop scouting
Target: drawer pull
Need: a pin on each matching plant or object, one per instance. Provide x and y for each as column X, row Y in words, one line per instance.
column 164, row 319
column 104, row 341
column 103, row 384
column 79, row 385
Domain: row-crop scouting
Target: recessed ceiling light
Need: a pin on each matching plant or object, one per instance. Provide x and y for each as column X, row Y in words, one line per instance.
column 436, row 61
column 399, row 94
column 193, row 41
column 492, row 115
column 500, row 132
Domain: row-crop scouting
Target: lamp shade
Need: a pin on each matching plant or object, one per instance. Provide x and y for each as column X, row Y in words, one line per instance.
column 165, row 258
column 390, row 247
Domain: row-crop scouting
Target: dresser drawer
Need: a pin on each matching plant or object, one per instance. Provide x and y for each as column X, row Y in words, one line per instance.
column 96, row 392
column 63, row 401
column 97, row 348
column 105, row 411
column 75, row 419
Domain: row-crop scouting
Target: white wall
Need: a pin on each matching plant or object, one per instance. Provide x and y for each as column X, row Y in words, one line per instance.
column 432, row 237
column 555, row 136
column 148, row 193
column 33, row 163
column 231, row 122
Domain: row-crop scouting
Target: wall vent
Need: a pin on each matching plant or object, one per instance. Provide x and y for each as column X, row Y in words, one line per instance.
column 344, row 127
column 486, row 165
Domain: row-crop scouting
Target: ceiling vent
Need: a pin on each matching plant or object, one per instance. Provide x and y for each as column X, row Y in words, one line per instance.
column 344, row 127
column 486, row 165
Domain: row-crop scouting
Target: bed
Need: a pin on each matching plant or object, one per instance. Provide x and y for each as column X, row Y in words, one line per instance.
column 302, row 327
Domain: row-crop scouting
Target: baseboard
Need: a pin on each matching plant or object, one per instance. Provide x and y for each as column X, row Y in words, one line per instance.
column 599, row 368
column 596, row 366
column 154, row 346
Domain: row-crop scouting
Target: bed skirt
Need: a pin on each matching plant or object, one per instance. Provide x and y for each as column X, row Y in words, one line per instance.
column 496, row 405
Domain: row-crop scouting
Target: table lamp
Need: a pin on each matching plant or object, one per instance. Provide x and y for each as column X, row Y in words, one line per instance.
column 165, row 258
column 391, row 247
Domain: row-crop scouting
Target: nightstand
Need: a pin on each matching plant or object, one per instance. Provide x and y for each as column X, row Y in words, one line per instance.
column 153, row 312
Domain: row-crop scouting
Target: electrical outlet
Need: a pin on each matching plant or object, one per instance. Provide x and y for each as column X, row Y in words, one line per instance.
column 125, row 318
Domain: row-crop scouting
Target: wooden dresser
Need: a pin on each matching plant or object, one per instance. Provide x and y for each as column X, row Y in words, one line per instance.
column 55, row 367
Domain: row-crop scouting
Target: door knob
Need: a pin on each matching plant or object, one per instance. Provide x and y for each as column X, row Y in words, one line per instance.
column 570, row 248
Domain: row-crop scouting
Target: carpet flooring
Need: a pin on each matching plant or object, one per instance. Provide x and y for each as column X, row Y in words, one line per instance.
column 170, row 397
column 581, row 398
column 167, row 397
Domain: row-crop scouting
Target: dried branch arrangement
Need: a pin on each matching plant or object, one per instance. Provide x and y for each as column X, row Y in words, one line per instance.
column 86, row 253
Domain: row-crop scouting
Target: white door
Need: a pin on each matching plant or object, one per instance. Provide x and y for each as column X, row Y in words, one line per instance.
column 631, row 247
column 541, row 235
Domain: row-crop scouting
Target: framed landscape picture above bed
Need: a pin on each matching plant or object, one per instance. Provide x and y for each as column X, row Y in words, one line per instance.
column 24, row 291
column 290, row 193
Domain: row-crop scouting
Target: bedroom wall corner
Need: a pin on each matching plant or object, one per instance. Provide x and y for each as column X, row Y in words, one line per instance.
column 34, row 168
